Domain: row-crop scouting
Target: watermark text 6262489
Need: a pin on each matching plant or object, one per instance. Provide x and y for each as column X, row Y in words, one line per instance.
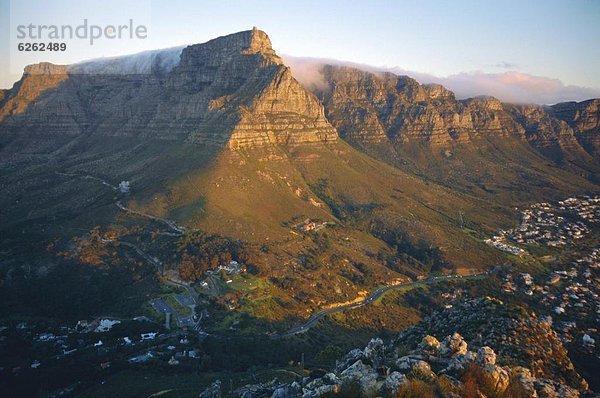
column 85, row 31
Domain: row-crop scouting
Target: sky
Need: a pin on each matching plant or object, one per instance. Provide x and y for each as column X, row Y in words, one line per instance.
column 540, row 51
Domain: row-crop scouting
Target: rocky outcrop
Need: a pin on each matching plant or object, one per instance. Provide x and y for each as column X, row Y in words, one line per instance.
column 232, row 91
column 455, row 367
column 584, row 118
column 515, row 335
column 214, row 391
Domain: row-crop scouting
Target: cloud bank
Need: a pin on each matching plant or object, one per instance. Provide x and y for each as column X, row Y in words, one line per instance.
column 509, row 86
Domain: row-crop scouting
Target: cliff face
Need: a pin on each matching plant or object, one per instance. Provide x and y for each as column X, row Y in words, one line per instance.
column 232, row 91
column 478, row 145
column 283, row 114
column 584, row 118
column 36, row 79
column 3, row 94
column 475, row 143
column 544, row 131
column 368, row 107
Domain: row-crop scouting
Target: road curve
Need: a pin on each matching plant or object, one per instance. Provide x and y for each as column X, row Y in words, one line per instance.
column 370, row 299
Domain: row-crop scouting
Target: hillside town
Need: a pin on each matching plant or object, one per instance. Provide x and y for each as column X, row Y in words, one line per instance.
column 570, row 296
column 550, row 224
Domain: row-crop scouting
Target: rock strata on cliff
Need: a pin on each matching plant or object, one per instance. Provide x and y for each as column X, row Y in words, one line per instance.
column 370, row 108
column 233, row 90
column 584, row 118
column 374, row 107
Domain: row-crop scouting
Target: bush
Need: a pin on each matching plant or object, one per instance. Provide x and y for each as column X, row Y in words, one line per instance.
column 416, row 389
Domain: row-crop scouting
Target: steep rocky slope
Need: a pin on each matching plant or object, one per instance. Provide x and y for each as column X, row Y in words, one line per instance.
column 478, row 145
column 233, row 81
column 404, row 111
column 505, row 352
column 36, row 79
column 399, row 108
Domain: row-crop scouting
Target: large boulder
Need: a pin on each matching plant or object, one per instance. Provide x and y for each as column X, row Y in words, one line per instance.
column 415, row 366
column 525, row 381
column 486, row 356
column 362, row 374
column 429, row 345
column 499, row 377
column 349, row 359
column 392, row 384
column 459, row 363
column 287, row 390
column 453, row 345
column 374, row 352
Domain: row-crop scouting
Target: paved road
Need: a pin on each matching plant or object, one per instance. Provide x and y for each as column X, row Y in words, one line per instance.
column 192, row 299
column 373, row 297
column 169, row 223
column 178, row 230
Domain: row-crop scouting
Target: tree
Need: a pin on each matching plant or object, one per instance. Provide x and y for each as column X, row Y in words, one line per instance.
column 188, row 270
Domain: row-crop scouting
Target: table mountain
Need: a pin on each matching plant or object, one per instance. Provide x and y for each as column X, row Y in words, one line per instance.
column 232, row 90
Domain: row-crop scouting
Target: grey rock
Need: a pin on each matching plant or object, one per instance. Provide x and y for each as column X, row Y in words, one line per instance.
column 349, row 359
column 365, row 375
column 392, row 383
column 486, row 356
column 453, row 345
column 375, row 352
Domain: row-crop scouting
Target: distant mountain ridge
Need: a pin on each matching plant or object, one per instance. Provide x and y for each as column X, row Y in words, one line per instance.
column 403, row 110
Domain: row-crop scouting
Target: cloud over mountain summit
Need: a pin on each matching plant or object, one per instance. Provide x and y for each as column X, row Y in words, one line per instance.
column 508, row 86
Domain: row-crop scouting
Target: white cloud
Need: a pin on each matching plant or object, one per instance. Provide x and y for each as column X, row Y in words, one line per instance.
column 509, row 86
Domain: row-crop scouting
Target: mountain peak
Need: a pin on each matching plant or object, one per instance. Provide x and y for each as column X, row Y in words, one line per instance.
column 259, row 42
column 247, row 42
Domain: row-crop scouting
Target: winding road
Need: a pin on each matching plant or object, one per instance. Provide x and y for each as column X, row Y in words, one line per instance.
column 178, row 230
column 372, row 298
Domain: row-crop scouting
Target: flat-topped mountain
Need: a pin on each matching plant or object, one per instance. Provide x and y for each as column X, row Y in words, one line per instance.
column 232, row 89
